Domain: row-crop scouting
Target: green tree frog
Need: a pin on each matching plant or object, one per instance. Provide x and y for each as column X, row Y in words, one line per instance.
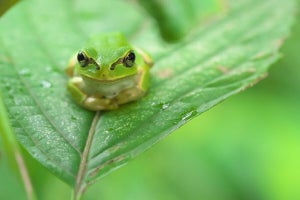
column 108, row 72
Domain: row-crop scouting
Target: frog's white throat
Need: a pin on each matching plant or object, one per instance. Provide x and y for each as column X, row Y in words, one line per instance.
column 108, row 88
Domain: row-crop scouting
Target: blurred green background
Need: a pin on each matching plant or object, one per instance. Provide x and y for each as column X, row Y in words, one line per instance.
column 248, row 147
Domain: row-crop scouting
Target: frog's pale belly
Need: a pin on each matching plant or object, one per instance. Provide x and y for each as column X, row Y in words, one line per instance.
column 108, row 89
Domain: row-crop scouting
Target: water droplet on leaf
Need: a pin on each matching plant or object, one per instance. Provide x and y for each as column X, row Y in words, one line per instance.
column 46, row 84
column 165, row 106
column 24, row 71
column 189, row 115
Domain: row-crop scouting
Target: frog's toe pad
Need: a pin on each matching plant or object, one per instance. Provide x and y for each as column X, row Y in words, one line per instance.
column 94, row 103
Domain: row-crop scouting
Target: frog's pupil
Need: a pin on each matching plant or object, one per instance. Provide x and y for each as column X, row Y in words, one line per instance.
column 131, row 57
column 82, row 59
column 129, row 60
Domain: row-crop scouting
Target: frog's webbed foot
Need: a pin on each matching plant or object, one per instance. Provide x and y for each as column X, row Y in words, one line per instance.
column 129, row 95
column 96, row 103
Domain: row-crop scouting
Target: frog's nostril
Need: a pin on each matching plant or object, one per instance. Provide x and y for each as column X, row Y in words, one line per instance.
column 112, row 67
column 92, row 61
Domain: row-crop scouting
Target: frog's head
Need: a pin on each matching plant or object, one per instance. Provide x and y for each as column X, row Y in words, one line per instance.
column 107, row 57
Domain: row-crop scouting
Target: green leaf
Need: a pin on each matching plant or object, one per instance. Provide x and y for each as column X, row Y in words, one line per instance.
column 216, row 60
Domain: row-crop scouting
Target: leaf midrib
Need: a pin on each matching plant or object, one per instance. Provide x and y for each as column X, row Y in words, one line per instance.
column 79, row 187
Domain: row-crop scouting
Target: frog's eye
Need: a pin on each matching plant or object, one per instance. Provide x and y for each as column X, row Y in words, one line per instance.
column 82, row 59
column 129, row 59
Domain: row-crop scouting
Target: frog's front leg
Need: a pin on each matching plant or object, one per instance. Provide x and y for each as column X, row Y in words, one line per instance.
column 136, row 92
column 90, row 102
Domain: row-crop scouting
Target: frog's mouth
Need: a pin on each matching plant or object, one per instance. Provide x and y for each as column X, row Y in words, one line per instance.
column 107, row 79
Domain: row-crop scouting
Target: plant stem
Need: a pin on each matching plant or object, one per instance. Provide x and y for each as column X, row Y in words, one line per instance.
column 79, row 186
column 13, row 151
